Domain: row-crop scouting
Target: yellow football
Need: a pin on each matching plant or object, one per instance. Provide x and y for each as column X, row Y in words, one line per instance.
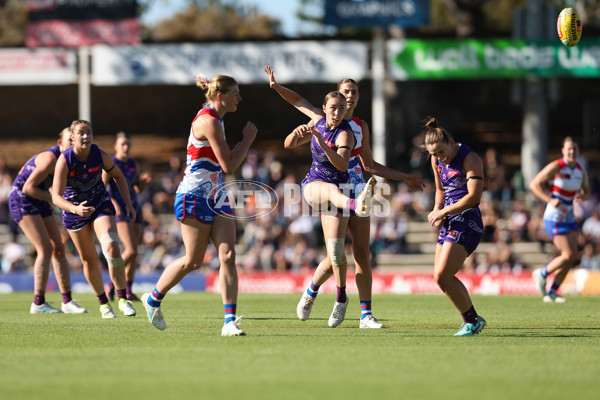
column 568, row 26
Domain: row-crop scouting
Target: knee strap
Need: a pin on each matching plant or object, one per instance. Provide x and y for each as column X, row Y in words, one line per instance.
column 105, row 241
column 335, row 248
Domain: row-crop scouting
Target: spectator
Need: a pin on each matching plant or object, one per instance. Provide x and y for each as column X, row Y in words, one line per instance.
column 591, row 227
column 13, row 256
column 590, row 259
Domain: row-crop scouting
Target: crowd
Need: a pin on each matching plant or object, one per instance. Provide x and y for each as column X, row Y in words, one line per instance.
column 291, row 240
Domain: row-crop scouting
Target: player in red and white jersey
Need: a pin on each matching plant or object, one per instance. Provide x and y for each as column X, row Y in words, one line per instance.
column 200, row 204
column 567, row 182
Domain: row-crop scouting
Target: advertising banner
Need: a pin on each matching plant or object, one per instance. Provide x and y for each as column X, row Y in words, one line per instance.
column 365, row 13
column 37, row 67
column 74, row 23
column 578, row 282
column 415, row 59
column 301, row 61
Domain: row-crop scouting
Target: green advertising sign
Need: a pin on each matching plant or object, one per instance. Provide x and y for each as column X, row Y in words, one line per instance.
column 414, row 59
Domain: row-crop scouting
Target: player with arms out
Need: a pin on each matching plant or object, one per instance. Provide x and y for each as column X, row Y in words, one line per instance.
column 359, row 227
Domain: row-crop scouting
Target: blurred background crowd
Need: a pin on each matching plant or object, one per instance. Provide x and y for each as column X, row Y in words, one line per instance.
column 293, row 240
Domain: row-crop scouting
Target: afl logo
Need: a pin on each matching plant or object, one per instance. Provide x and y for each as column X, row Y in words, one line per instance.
column 248, row 199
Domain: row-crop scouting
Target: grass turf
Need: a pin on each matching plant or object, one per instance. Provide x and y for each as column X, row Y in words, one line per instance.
column 529, row 350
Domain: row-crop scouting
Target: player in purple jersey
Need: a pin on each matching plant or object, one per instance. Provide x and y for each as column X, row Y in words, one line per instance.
column 332, row 145
column 202, row 218
column 359, row 227
column 458, row 172
column 86, row 208
column 130, row 231
column 560, row 184
column 30, row 207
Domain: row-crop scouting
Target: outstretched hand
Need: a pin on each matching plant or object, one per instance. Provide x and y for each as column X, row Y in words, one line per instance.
column 303, row 131
column 271, row 75
column 415, row 183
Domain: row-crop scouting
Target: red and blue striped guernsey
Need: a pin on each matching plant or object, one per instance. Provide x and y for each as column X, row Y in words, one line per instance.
column 564, row 186
column 203, row 173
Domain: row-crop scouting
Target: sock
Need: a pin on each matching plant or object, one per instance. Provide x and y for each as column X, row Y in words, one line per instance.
column 102, row 299
column 230, row 310
column 554, row 287
column 155, row 298
column 351, row 204
column 544, row 272
column 365, row 309
column 313, row 290
column 66, row 297
column 470, row 316
column 341, row 294
column 128, row 286
column 122, row 293
column 39, row 300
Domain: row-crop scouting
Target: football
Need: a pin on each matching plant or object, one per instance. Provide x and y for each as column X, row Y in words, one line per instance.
column 568, row 26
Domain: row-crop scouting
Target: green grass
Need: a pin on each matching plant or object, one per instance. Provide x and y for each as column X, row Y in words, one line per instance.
column 530, row 350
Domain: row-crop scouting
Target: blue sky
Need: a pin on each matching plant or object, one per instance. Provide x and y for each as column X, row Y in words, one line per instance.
column 284, row 10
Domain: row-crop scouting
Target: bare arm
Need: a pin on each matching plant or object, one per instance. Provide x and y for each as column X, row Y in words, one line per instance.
column 299, row 136
column 230, row 160
column 373, row 167
column 314, row 113
column 439, row 199
column 472, row 166
column 44, row 165
column 58, row 190
column 584, row 193
column 537, row 184
column 110, row 167
column 344, row 143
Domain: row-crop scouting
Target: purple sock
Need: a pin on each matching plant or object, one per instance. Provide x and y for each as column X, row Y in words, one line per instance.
column 341, row 294
column 351, row 204
column 470, row 316
column 128, row 286
column 102, row 298
column 66, row 297
column 122, row 293
column 39, row 300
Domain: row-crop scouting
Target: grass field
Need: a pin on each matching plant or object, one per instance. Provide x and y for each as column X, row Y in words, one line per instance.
column 529, row 350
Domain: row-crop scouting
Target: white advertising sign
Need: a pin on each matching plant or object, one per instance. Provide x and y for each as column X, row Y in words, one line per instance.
column 37, row 67
column 301, row 61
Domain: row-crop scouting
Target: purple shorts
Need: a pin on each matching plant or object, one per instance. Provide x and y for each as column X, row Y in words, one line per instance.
column 204, row 210
column 465, row 229
column 74, row 222
column 20, row 204
column 559, row 228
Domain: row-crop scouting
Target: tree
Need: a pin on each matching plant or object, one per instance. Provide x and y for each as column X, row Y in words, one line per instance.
column 214, row 19
column 13, row 23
